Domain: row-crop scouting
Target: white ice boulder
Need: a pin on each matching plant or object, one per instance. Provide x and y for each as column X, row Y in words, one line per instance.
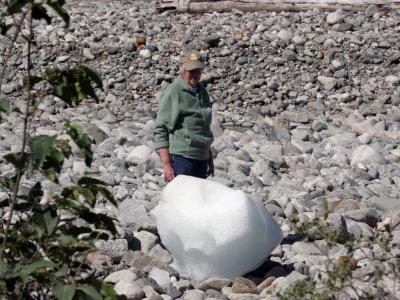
column 213, row 230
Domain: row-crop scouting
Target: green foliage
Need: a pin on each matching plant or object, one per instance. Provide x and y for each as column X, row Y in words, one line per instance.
column 15, row 6
column 305, row 290
column 339, row 276
column 43, row 250
column 75, row 85
column 3, row 27
column 32, row 80
column 18, row 160
column 38, row 10
column 64, row 292
column 81, row 139
column 57, row 5
column 5, row 106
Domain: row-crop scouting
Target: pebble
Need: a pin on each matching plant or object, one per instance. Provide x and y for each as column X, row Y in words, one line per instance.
column 335, row 17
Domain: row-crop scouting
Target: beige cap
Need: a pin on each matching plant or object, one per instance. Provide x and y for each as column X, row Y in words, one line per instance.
column 192, row 60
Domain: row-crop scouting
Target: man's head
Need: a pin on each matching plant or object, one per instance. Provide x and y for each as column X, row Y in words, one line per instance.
column 192, row 67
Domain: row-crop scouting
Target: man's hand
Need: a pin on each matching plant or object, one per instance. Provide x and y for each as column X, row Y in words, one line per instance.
column 168, row 172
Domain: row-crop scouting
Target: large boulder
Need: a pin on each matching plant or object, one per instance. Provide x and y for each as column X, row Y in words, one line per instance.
column 212, row 230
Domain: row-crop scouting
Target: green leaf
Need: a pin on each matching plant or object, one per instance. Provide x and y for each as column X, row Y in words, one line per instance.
column 90, row 292
column 36, row 265
column 57, row 5
column 4, row 203
column 82, row 140
column 64, row 292
column 5, row 106
column 108, row 292
column 33, row 80
column 41, row 147
column 8, row 182
column 100, row 221
column 35, row 192
column 68, row 203
column 3, row 27
column 39, row 12
column 45, row 218
column 90, row 197
column 86, row 180
column 3, row 268
column 107, row 194
column 51, row 174
column 64, row 146
column 77, row 230
column 91, row 75
column 45, row 156
column 96, row 186
column 19, row 161
column 73, row 86
column 67, row 240
column 15, row 6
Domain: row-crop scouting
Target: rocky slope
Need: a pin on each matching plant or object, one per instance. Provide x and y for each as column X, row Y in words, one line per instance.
column 306, row 108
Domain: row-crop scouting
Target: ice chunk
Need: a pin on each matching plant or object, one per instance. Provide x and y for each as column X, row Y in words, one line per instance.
column 213, row 230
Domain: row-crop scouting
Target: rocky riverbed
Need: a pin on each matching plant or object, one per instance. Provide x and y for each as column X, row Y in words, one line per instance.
column 306, row 109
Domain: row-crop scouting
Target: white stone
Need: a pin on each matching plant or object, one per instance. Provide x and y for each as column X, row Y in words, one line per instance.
column 129, row 288
column 79, row 167
column 392, row 80
column 335, row 17
column 366, row 154
column 121, row 275
column 160, row 276
column 329, row 83
column 193, row 295
column 213, row 230
column 298, row 40
column 63, row 58
column 141, row 155
column 8, row 88
column 88, row 54
column 259, row 167
column 285, row 35
column 145, row 53
column 337, row 64
column 147, row 240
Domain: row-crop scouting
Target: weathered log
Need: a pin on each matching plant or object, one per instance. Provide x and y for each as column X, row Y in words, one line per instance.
column 197, row 6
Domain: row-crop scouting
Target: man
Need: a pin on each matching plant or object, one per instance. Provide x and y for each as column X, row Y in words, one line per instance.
column 182, row 129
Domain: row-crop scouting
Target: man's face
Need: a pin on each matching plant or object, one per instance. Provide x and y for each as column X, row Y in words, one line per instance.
column 192, row 77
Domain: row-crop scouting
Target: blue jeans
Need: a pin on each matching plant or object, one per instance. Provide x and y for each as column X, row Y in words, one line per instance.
column 187, row 166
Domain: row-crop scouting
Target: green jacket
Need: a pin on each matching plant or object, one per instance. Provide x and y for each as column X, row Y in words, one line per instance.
column 183, row 121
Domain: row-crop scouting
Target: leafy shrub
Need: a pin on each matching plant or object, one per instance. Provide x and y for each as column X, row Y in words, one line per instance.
column 44, row 240
column 340, row 279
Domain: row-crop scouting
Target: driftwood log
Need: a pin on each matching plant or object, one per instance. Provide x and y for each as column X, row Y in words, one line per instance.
column 199, row 6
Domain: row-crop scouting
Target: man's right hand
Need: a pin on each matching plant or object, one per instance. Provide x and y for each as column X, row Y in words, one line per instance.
column 168, row 172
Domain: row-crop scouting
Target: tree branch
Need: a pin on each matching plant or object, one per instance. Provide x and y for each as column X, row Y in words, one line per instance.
column 25, row 131
column 14, row 38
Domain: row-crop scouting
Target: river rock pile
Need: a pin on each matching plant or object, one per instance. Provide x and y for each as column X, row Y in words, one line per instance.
column 306, row 108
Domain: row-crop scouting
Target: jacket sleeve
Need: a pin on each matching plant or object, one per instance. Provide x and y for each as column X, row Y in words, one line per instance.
column 167, row 116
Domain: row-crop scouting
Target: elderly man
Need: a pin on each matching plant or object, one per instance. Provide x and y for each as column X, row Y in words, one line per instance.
column 182, row 129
